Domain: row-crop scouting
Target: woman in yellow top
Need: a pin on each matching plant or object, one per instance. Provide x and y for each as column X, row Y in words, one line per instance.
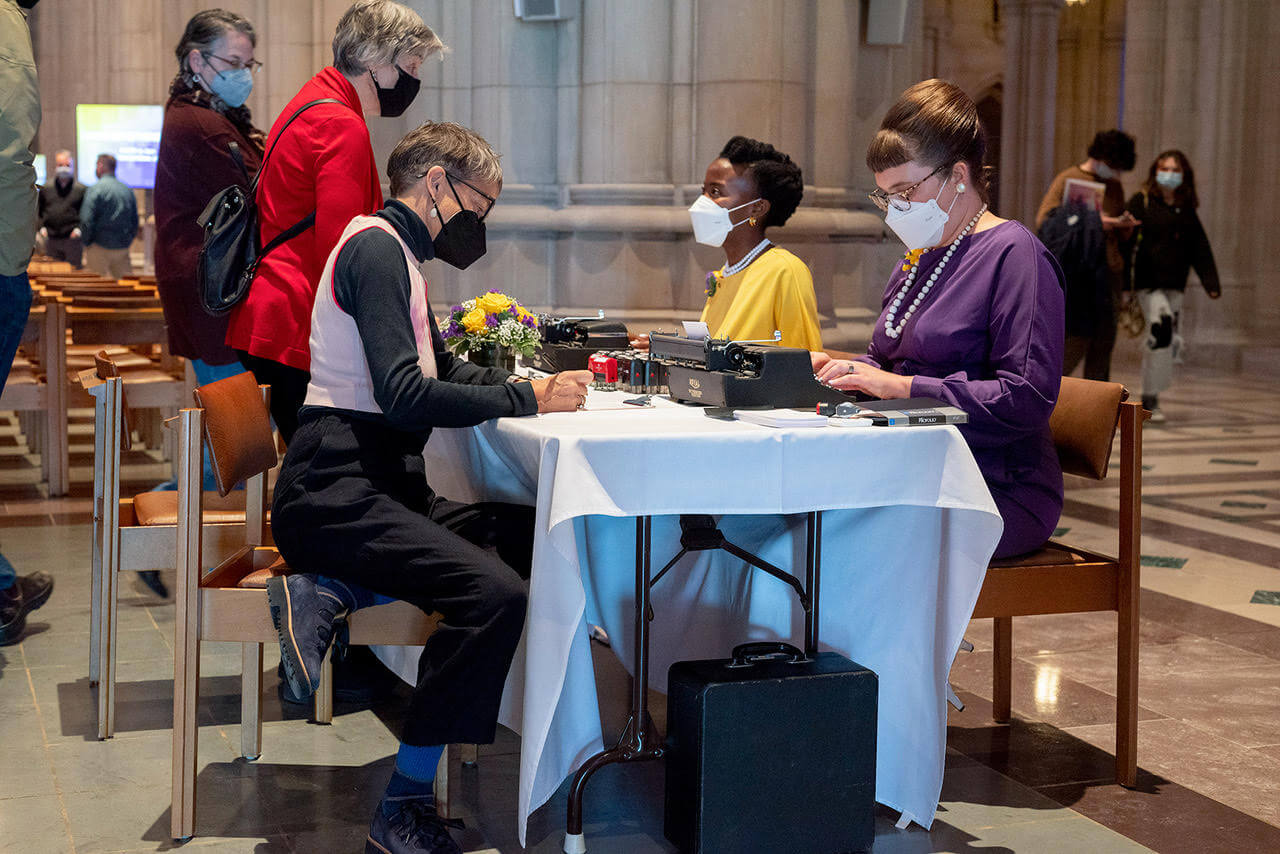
column 761, row 287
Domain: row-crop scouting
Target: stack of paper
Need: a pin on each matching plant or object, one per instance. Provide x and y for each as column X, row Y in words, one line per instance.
column 781, row 417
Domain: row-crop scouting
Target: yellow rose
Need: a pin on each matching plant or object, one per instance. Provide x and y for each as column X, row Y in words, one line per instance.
column 493, row 303
column 473, row 321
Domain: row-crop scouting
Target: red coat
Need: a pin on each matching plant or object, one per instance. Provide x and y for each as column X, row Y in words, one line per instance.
column 194, row 163
column 324, row 163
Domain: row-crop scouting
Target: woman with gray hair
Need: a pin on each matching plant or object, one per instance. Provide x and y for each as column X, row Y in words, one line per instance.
column 353, row 510
column 322, row 166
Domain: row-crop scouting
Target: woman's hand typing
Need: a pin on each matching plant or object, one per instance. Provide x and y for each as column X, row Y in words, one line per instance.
column 849, row 375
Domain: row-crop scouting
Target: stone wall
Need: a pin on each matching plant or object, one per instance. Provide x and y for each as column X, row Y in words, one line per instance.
column 606, row 121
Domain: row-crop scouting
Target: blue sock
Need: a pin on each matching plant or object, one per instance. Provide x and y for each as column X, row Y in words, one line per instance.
column 415, row 771
column 353, row 596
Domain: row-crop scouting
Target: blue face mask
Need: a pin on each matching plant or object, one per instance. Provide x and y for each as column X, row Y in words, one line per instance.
column 1169, row 179
column 232, row 86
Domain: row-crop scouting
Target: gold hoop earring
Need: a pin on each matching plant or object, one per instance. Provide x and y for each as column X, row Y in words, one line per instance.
column 752, row 222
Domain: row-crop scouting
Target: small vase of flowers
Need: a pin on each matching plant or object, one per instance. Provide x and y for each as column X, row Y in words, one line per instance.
column 492, row 328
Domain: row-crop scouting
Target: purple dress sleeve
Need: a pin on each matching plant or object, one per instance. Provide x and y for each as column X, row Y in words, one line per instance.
column 988, row 339
column 1013, row 392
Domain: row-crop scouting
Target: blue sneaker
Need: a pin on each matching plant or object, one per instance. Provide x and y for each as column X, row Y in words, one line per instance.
column 410, row 825
column 305, row 616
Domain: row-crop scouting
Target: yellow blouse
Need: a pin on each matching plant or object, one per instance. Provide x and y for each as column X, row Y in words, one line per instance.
column 774, row 292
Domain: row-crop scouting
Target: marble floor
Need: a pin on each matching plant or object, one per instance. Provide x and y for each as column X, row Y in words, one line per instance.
column 1209, row 731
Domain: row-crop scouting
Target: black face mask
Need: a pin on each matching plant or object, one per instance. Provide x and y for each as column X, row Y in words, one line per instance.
column 461, row 241
column 394, row 101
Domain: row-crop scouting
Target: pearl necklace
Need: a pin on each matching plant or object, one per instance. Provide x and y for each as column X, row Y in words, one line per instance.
column 730, row 270
column 894, row 331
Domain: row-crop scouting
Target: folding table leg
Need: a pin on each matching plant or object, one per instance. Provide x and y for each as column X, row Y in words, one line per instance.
column 637, row 743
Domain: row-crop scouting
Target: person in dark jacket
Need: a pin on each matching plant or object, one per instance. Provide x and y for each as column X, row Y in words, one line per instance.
column 1170, row 243
column 205, row 115
column 60, row 202
column 354, row 515
column 108, row 222
column 1096, row 278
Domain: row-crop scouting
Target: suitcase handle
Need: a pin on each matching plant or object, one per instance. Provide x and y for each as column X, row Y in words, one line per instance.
column 747, row 654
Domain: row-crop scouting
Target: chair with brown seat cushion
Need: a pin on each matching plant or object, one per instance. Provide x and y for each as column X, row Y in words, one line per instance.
column 1062, row 579
column 132, row 533
column 229, row 602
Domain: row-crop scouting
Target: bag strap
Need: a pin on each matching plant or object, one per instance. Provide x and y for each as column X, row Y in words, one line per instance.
column 256, row 178
column 289, row 233
column 239, row 159
column 310, row 219
column 1133, row 256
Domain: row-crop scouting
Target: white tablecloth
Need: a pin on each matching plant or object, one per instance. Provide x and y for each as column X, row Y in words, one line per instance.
column 905, row 545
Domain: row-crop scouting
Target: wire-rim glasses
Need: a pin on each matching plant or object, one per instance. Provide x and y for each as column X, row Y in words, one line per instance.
column 900, row 200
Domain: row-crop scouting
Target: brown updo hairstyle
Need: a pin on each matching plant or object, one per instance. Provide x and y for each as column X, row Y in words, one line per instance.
column 934, row 123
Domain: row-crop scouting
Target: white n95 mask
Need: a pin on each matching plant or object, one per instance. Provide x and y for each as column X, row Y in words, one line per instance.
column 922, row 224
column 711, row 224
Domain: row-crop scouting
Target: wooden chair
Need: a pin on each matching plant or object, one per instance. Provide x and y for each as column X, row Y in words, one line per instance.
column 155, row 379
column 229, row 603
column 1062, row 579
column 36, row 391
column 132, row 533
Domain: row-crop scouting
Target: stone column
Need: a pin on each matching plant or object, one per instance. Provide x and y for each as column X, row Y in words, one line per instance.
column 1030, row 102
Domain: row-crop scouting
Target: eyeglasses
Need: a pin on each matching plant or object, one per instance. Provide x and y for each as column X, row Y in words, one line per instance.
column 900, row 200
column 450, row 177
column 235, row 65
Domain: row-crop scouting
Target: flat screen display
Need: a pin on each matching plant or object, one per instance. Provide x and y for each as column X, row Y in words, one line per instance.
column 129, row 132
column 42, row 169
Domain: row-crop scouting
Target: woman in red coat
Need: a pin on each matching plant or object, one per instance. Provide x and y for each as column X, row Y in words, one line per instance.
column 323, row 163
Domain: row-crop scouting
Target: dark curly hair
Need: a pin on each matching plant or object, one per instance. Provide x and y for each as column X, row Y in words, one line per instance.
column 778, row 178
column 1114, row 148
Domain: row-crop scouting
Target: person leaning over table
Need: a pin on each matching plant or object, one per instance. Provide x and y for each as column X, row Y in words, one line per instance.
column 974, row 315
column 324, row 163
column 761, row 287
column 352, row 503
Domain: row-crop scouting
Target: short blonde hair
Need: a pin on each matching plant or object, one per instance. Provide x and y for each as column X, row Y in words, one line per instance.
column 461, row 151
column 379, row 32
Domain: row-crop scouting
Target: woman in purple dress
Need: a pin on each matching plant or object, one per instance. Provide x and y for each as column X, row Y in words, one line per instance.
column 974, row 315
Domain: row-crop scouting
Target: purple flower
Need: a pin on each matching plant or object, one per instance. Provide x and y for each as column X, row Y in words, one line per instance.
column 457, row 309
column 453, row 330
column 530, row 321
column 491, row 321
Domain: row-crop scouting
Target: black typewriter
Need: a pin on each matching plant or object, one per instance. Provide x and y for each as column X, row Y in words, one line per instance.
column 739, row 374
column 567, row 342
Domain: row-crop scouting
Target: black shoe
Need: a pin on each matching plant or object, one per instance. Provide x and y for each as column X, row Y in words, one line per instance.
column 151, row 578
column 359, row 678
column 27, row 594
column 410, row 826
column 305, row 618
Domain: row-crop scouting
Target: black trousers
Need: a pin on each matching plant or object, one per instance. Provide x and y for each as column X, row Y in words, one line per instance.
column 288, row 390
column 352, row 502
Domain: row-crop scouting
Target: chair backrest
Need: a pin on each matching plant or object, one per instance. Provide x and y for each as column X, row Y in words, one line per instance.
column 106, row 368
column 1083, row 424
column 237, row 429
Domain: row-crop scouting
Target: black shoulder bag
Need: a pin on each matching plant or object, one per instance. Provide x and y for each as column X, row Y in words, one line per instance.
column 233, row 246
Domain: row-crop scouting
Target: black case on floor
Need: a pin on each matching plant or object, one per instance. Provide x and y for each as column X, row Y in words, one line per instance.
column 771, row 752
